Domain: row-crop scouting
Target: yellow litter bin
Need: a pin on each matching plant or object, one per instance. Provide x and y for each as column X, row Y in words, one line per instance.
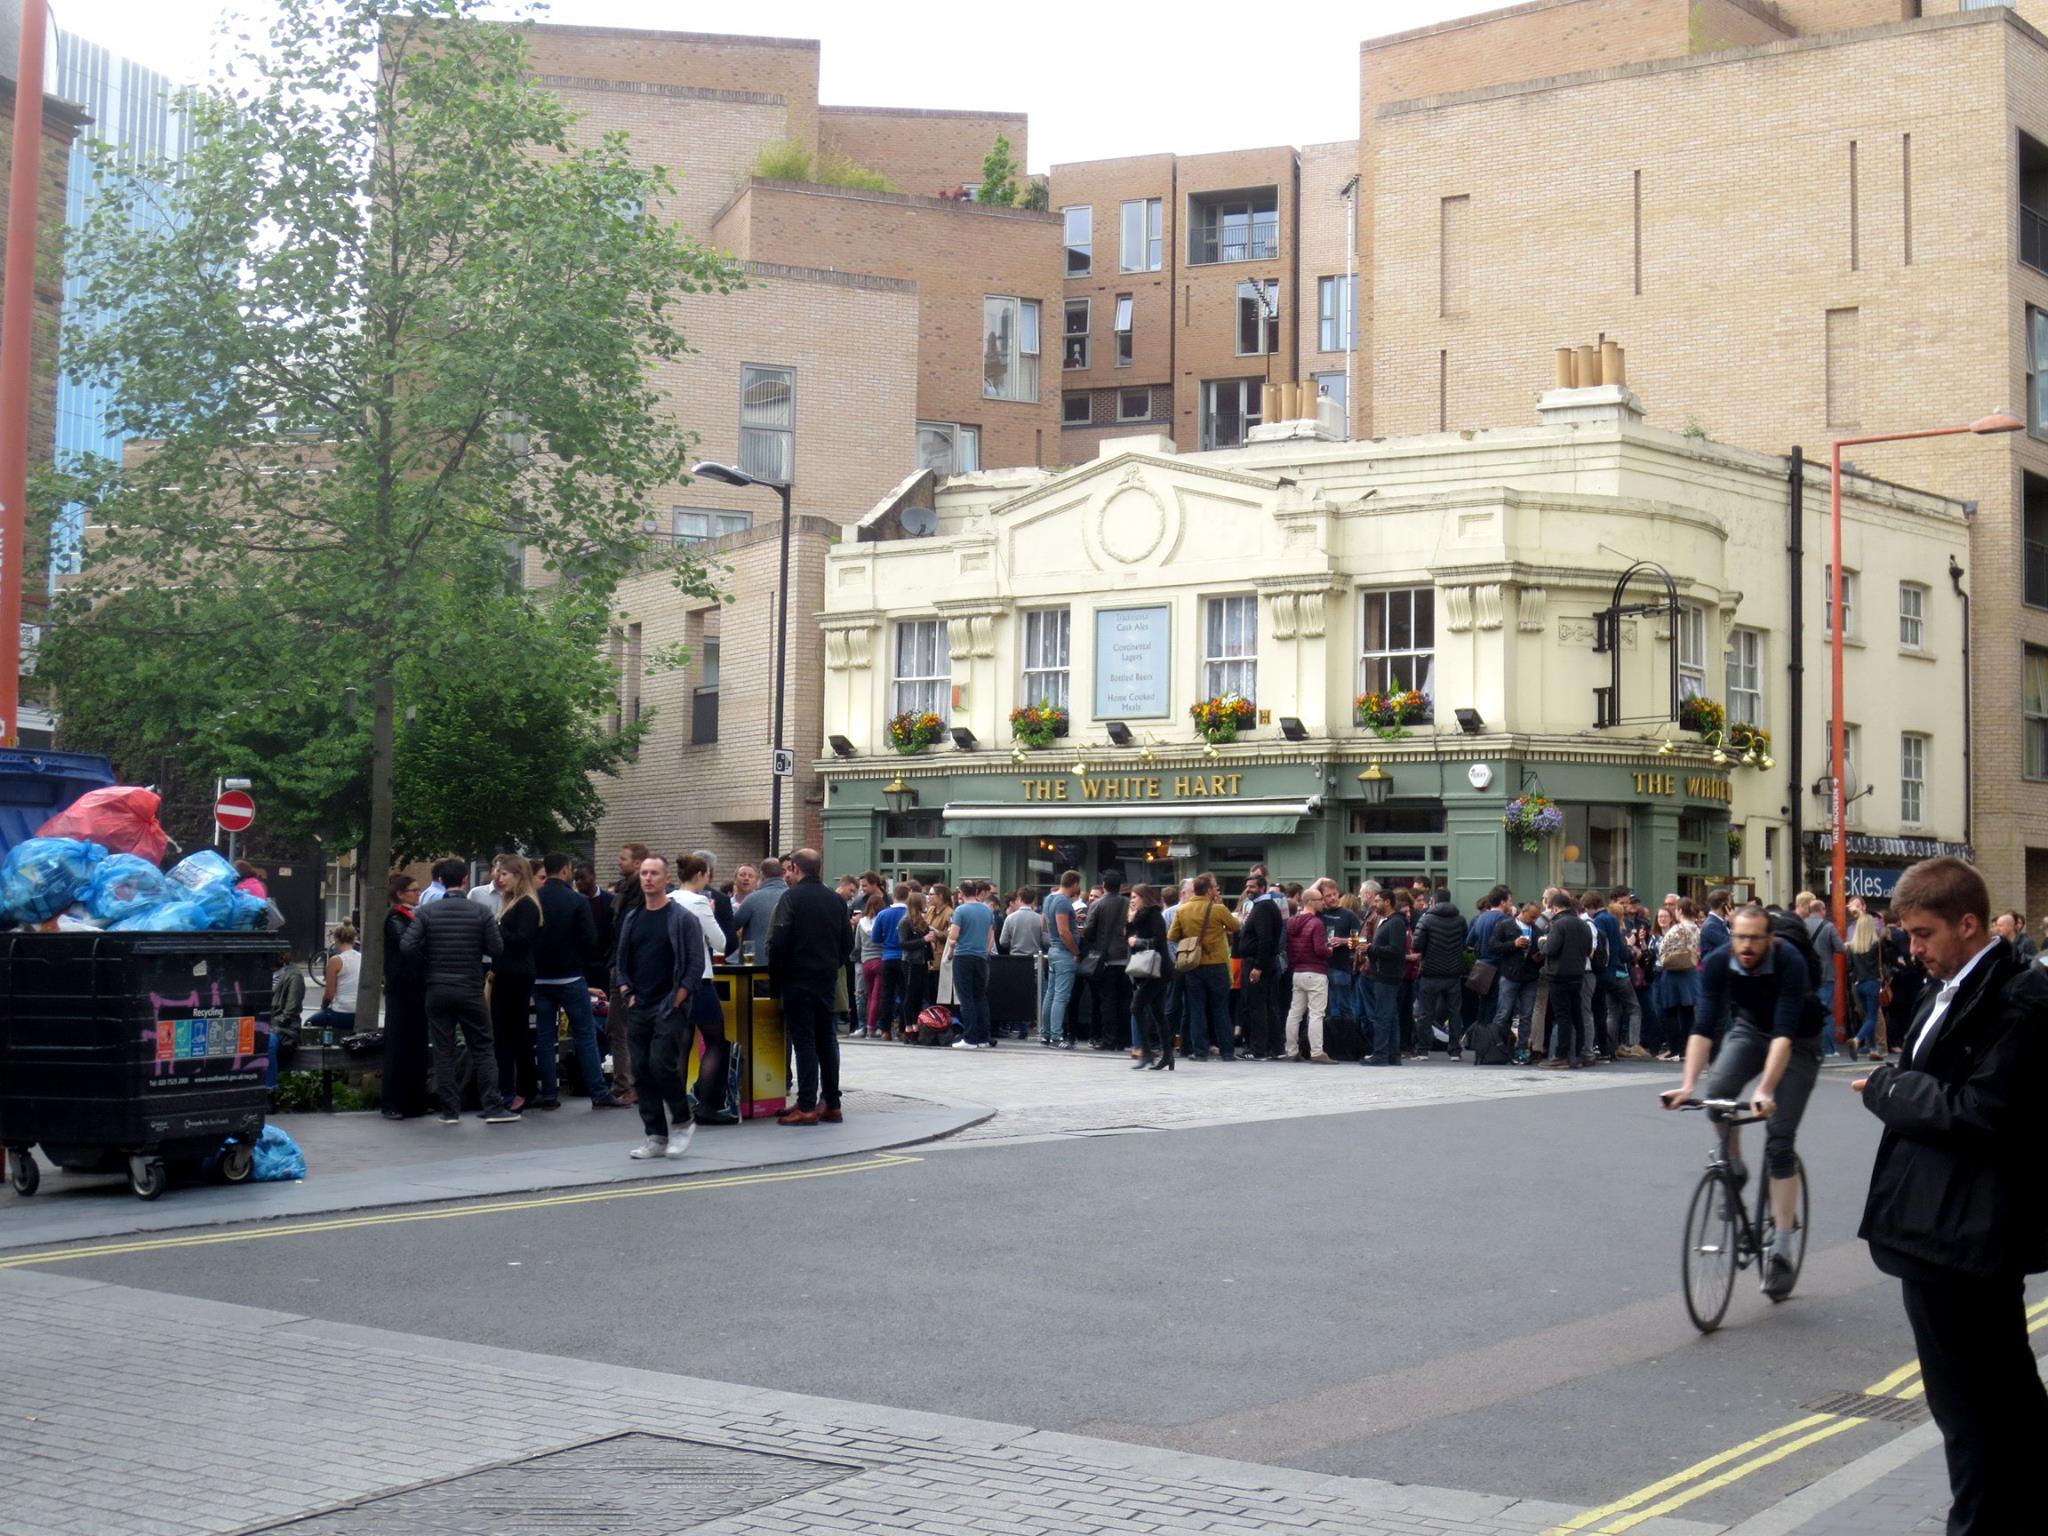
column 753, row 1023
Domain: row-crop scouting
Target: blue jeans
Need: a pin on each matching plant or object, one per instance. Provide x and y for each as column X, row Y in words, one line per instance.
column 1205, row 999
column 1386, row 1020
column 1866, row 998
column 1517, row 1007
column 1059, row 991
column 1825, row 993
column 1343, row 996
column 572, row 998
column 970, row 988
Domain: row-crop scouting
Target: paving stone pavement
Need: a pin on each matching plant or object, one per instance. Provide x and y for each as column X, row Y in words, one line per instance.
column 130, row 1413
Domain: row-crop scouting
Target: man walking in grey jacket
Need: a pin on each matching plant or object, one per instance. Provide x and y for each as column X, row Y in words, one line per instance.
column 660, row 962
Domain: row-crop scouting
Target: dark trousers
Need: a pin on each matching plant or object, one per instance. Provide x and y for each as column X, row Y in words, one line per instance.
column 1385, row 997
column 1148, row 1013
column 1262, row 1012
column 657, row 1040
column 715, row 1057
column 512, row 1031
column 1569, row 1037
column 1111, row 989
column 453, row 1009
column 1205, row 1006
column 807, row 1015
column 919, row 983
column 1437, row 1003
column 1985, row 1392
column 890, row 1012
column 405, row 1049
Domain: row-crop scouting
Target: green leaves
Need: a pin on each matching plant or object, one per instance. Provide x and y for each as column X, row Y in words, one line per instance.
column 392, row 329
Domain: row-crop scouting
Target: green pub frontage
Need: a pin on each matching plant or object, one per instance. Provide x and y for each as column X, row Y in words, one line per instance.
column 1392, row 815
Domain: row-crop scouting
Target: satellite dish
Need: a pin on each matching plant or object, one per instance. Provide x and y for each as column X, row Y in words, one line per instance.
column 918, row 521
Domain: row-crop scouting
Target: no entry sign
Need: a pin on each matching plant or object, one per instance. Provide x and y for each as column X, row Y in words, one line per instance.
column 234, row 810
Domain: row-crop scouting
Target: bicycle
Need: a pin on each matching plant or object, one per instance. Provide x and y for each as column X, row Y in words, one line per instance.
column 1720, row 1237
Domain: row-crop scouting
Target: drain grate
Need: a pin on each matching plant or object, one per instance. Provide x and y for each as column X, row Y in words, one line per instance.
column 627, row 1485
column 1862, row 1405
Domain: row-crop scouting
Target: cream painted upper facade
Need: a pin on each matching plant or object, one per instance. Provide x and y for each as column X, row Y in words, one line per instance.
column 1518, row 535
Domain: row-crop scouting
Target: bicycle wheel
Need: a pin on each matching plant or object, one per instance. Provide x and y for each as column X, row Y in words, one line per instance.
column 1708, row 1259
column 1767, row 1225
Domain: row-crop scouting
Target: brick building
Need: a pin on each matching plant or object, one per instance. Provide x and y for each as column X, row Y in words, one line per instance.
column 1806, row 220
column 878, row 332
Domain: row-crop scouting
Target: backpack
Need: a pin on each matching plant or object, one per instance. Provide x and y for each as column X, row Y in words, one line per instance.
column 1792, row 929
column 1680, row 950
column 1490, row 1044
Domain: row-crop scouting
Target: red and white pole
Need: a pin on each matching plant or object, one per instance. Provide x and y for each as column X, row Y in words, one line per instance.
column 17, row 332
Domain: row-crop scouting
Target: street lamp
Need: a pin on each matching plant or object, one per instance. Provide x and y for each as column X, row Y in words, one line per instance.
column 1838, row 895
column 725, row 474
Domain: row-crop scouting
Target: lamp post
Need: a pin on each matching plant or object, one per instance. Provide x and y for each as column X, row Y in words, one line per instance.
column 726, row 474
column 15, row 328
column 1838, row 808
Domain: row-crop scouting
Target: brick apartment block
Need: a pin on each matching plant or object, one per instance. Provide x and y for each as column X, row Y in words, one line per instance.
column 1804, row 220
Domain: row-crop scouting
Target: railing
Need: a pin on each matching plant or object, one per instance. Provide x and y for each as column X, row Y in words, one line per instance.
column 2037, row 574
column 1215, row 250
column 2034, row 238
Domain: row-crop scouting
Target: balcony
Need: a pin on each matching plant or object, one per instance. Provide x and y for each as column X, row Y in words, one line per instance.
column 1234, row 226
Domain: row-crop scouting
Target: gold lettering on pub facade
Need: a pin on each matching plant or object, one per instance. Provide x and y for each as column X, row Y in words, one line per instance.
column 1698, row 786
column 1186, row 786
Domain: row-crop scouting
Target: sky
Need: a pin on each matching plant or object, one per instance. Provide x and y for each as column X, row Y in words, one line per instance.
column 1137, row 78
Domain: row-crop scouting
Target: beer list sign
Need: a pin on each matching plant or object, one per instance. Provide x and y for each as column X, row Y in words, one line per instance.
column 1132, row 651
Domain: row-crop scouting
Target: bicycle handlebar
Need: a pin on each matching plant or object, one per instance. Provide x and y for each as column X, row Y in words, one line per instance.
column 1730, row 1110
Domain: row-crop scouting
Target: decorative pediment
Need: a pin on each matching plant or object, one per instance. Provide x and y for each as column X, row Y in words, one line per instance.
column 1131, row 514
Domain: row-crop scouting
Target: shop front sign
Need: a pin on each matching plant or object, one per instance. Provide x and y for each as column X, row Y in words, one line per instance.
column 1696, row 786
column 1870, row 884
column 1178, row 786
column 1133, row 662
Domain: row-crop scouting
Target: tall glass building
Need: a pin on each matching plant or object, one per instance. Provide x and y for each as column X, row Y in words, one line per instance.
column 133, row 109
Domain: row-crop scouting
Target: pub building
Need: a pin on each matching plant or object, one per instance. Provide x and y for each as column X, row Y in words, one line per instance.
column 1394, row 640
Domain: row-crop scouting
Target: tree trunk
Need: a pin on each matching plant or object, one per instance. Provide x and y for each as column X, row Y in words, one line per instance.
column 376, row 862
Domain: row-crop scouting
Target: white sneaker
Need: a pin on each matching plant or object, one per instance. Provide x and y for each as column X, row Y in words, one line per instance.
column 962, row 1045
column 679, row 1141
column 649, row 1149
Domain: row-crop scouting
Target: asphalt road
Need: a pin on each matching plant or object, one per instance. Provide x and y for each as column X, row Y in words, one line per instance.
column 1479, row 1296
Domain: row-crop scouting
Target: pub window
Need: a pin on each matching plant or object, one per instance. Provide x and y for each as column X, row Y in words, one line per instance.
column 1692, row 650
column 1397, row 647
column 924, row 668
column 1397, row 819
column 1746, row 677
column 1047, row 640
column 1912, row 616
column 1230, row 647
column 1593, row 849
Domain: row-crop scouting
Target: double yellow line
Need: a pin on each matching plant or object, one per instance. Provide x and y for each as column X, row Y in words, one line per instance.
column 1738, row 1462
column 876, row 1163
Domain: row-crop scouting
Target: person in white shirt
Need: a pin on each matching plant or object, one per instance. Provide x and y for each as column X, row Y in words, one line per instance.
column 707, row 1013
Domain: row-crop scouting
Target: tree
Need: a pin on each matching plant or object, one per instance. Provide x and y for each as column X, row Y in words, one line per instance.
column 1037, row 195
column 394, row 330
column 998, row 176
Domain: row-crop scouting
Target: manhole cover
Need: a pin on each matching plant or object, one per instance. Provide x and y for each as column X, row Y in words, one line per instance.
column 1863, row 1405
column 628, row 1485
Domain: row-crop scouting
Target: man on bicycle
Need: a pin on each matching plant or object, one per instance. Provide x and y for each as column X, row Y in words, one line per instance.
column 1758, row 985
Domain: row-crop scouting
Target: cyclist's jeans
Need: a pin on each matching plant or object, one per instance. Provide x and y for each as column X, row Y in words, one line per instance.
column 1741, row 1063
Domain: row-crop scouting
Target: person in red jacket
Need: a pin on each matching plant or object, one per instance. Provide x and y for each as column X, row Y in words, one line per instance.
column 1308, row 960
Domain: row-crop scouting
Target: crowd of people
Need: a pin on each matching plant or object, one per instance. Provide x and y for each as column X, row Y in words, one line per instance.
column 1315, row 973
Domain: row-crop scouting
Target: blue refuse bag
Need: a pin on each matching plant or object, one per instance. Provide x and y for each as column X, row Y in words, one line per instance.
column 278, row 1157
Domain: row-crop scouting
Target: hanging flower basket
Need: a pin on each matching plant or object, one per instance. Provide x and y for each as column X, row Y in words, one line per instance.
column 1531, row 818
column 1220, row 719
column 913, row 731
column 1698, row 713
column 1388, row 715
column 1038, row 725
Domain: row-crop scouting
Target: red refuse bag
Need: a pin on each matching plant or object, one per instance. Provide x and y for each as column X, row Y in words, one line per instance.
column 121, row 818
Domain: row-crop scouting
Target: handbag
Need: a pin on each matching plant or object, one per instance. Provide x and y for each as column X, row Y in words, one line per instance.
column 1090, row 965
column 1187, row 952
column 1146, row 965
column 1479, row 980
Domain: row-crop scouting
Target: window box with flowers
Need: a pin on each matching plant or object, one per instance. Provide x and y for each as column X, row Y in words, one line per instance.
column 1531, row 818
column 914, row 730
column 1751, row 743
column 1223, row 717
column 1699, row 713
column 1038, row 725
column 1388, row 715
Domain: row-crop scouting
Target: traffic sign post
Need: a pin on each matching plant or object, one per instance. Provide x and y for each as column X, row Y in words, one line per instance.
column 782, row 762
column 233, row 811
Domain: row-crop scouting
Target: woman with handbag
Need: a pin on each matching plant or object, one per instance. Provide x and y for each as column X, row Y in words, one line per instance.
column 1866, row 949
column 938, row 911
column 1147, row 970
column 919, row 974
column 1678, row 976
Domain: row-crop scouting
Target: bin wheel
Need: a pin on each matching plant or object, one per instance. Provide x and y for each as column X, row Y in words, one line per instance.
column 147, row 1177
column 237, row 1163
column 22, row 1171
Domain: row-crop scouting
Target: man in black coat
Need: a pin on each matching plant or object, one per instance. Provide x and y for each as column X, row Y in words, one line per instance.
column 451, row 947
column 1567, row 947
column 1388, row 954
column 1440, row 936
column 1262, row 991
column 807, row 946
column 1958, row 1207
